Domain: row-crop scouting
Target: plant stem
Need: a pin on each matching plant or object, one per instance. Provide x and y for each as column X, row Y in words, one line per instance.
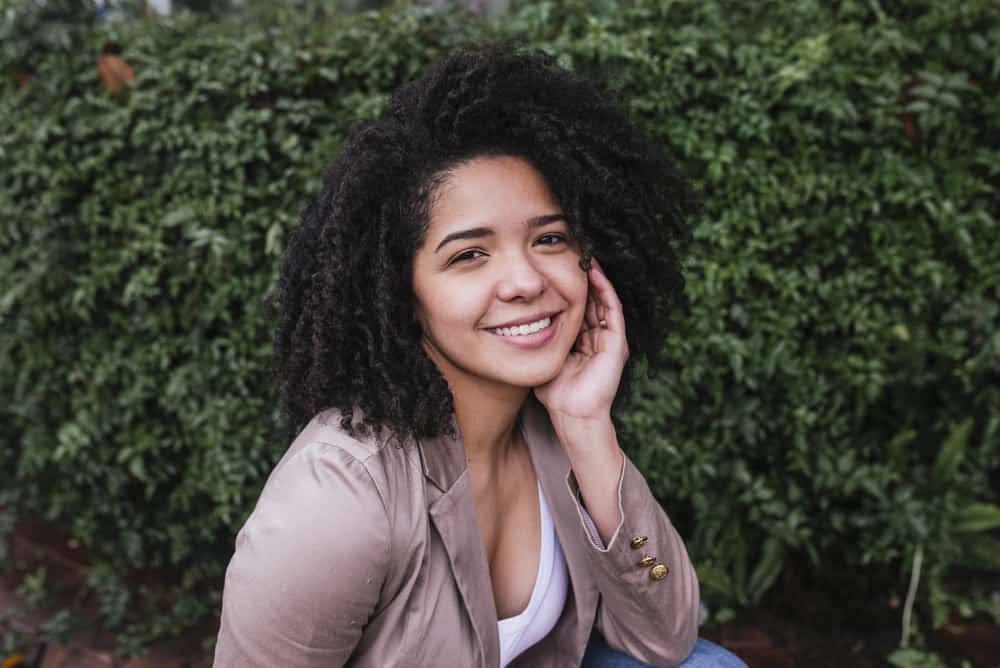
column 911, row 594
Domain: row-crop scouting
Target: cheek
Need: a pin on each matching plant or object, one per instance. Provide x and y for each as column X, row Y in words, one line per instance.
column 579, row 286
column 575, row 287
column 450, row 306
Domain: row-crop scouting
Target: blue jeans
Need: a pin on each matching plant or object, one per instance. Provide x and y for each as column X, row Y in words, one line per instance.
column 705, row 654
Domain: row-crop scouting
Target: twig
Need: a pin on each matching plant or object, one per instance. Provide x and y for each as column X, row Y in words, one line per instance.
column 911, row 594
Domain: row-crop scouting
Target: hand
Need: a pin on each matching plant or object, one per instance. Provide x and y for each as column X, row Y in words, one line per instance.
column 587, row 384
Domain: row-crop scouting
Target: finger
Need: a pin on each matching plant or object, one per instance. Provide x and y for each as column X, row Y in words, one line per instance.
column 610, row 306
column 584, row 343
column 592, row 316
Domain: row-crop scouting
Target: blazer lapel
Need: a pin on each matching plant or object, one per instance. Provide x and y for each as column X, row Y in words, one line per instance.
column 453, row 514
column 552, row 468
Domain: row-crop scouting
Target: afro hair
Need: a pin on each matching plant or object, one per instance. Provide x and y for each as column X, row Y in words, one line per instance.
column 346, row 336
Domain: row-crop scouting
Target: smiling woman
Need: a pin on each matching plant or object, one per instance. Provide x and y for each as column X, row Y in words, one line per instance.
column 449, row 351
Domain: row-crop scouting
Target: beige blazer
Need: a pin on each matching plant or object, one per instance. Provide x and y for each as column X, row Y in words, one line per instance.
column 366, row 554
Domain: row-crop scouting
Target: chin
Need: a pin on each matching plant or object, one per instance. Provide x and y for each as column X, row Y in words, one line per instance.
column 528, row 378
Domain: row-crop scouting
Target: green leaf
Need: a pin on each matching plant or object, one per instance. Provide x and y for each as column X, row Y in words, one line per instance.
column 714, row 578
column 179, row 216
column 952, row 452
column 981, row 552
column 137, row 468
column 897, row 446
column 768, row 569
column 915, row 658
column 976, row 517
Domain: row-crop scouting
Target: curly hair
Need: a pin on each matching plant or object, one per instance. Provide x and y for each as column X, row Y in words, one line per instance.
column 346, row 335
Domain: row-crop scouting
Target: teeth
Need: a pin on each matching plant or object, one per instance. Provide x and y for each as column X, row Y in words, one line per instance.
column 521, row 330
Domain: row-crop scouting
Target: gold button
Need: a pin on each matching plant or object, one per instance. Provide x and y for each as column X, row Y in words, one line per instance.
column 638, row 542
column 658, row 572
column 647, row 561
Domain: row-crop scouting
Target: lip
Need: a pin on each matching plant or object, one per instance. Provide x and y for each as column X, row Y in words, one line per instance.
column 535, row 340
column 525, row 321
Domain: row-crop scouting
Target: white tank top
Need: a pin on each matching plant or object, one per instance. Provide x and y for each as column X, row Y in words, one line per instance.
column 523, row 630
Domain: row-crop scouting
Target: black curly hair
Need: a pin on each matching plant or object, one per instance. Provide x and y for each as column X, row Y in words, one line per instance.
column 346, row 335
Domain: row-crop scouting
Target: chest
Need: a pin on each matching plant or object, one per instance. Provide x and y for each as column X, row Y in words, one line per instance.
column 445, row 595
column 510, row 527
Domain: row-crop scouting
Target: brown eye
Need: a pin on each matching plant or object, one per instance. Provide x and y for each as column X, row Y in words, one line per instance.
column 555, row 238
column 466, row 256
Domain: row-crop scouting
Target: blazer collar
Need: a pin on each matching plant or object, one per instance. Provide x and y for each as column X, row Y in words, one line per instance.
column 443, row 457
column 452, row 511
column 553, row 470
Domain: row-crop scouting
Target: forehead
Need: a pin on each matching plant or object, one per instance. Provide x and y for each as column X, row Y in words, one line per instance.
column 493, row 190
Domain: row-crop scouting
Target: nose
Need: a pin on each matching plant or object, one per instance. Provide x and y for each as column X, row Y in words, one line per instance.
column 520, row 279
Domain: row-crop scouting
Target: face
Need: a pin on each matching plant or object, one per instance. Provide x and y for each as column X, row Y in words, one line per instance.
column 498, row 261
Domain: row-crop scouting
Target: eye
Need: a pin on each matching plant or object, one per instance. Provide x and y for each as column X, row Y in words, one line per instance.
column 466, row 256
column 555, row 238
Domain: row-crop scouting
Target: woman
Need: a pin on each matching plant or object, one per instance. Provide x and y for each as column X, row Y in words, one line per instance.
column 449, row 353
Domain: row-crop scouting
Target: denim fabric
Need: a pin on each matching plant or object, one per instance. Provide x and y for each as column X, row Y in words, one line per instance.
column 705, row 654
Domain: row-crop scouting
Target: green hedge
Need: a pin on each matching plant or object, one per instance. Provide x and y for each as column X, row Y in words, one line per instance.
column 836, row 393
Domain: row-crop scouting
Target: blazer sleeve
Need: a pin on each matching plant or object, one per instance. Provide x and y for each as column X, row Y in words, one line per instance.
column 652, row 620
column 308, row 567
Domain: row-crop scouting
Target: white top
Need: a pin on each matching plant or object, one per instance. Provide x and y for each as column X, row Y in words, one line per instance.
column 548, row 598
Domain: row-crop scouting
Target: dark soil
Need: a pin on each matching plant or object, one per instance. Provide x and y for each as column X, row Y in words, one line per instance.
column 846, row 619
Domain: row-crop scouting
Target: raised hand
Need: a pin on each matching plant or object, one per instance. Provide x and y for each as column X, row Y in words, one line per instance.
column 588, row 382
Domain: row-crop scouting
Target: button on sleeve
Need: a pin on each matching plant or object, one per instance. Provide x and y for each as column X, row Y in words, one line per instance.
column 649, row 590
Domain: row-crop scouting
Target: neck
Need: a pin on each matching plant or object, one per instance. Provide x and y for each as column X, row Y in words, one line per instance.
column 486, row 414
column 487, row 419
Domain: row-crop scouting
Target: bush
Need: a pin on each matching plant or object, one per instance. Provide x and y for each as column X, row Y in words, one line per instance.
column 835, row 393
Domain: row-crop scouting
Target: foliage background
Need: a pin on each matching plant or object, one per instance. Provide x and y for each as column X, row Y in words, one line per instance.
column 835, row 399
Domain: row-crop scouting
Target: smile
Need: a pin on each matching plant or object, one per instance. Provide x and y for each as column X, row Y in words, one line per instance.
column 530, row 335
column 523, row 330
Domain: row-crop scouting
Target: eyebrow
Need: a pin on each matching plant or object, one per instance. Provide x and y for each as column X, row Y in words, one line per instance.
column 479, row 232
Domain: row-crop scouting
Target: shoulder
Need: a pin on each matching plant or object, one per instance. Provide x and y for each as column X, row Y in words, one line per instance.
column 324, row 505
column 315, row 550
column 326, row 428
column 324, row 441
column 326, row 488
